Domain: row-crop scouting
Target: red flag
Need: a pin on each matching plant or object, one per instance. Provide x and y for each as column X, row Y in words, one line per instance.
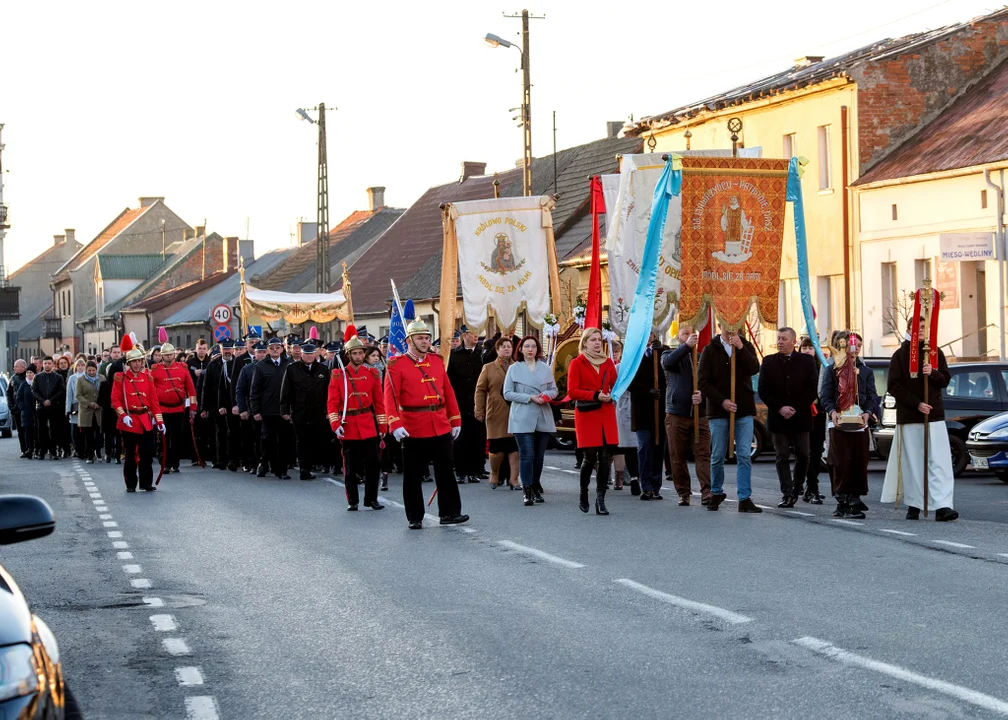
column 706, row 332
column 593, row 306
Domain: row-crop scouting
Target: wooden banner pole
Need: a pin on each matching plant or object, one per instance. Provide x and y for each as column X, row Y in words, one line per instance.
column 731, row 416
column 696, row 408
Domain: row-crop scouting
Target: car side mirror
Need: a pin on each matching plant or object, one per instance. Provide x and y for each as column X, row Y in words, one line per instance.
column 24, row 517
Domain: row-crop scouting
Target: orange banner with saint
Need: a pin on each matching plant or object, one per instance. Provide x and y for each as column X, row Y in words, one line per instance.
column 732, row 237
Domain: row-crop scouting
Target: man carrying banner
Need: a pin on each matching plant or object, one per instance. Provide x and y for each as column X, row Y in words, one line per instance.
column 423, row 415
column 682, row 402
column 920, row 461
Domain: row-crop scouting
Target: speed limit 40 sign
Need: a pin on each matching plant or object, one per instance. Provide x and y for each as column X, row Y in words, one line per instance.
column 221, row 314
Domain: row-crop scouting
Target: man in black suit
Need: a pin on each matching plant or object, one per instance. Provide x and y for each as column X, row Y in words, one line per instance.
column 788, row 385
column 264, row 405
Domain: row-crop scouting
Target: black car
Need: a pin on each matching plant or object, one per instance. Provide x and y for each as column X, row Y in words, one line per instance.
column 31, row 676
column 976, row 391
column 988, row 445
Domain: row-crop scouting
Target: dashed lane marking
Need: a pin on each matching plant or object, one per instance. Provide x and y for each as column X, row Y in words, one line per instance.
column 140, row 583
column 383, row 499
column 115, row 533
column 545, row 556
column 175, row 646
column 153, row 602
column 105, row 516
column 120, row 544
column 110, row 523
column 101, row 508
column 949, row 543
column 799, row 512
column 698, row 607
column 188, row 676
column 1004, row 555
column 897, row 532
column 821, row 647
column 124, row 555
column 131, row 569
column 201, row 707
column 845, row 522
column 164, row 623
column 563, row 470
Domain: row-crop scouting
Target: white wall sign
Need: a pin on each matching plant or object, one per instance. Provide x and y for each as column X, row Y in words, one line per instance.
column 965, row 247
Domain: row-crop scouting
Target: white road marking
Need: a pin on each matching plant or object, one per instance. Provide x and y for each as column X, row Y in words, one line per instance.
column 897, row 532
column 125, row 555
column 105, row 516
column 175, row 646
column 164, row 623
column 101, row 508
column 89, row 483
column 764, row 507
column 949, row 543
column 115, row 533
column 560, row 469
column 120, row 544
column 467, row 530
column 95, row 495
column 153, row 602
column 533, row 552
column 721, row 613
column 131, row 569
column 845, row 522
column 799, row 512
column 972, row 697
column 188, row 676
column 98, row 501
column 140, row 583
column 1004, row 555
column 201, row 707
column 110, row 523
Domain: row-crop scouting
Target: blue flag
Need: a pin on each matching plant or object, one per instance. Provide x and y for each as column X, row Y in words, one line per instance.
column 642, row 311
column 794, row 195
column 397, row 327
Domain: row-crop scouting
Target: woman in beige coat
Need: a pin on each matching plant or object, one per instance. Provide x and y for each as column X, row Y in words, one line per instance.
column 88, row 410
column 493, row 410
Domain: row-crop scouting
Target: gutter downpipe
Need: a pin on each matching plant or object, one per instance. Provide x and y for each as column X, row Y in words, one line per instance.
column 846, row 221
column 999, row 242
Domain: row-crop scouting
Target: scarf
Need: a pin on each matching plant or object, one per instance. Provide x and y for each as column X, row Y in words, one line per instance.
column 596, row 359
column 93, row 380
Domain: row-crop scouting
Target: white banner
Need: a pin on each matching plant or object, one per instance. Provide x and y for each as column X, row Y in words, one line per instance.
column 503, row 260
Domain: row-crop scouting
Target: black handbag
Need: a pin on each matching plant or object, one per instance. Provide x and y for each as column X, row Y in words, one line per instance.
column 587, row 405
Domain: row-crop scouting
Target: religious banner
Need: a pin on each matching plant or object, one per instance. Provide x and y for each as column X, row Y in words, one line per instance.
column 506, row 259
column 733, row 233
column 295, row 308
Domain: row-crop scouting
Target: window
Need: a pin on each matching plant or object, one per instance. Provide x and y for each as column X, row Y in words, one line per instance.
column 973, row 386
column 825, row 171
column 923, row 269
column 983, row 199
column 890, row 313
column 895, row 215
column 824, row 305
column 188, row 340
column 790, row 146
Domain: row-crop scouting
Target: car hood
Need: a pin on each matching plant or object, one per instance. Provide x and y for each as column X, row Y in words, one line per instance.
column 995, row 422
column 15, row 618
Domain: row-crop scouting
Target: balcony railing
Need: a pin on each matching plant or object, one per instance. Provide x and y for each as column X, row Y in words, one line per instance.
column 53, row 327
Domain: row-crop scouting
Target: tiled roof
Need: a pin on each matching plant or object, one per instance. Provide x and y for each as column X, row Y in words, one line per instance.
column 796, row 77
column 570, row 216
column 129, row 267
column 972, row 131
column 153, row 303
column 125, row 218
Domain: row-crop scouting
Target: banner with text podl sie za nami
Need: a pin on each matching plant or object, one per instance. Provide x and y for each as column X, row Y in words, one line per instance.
column 506, row 258
column 733, row 233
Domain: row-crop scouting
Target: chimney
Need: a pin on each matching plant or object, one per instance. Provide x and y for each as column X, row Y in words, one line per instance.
column 613, row 128
column 376, row 198
column 808, row 60
column 148, row 201
column 230, row 256
column 187, row 234
column 472, row 169
column 70, row 236
column 200, row 231
column 306, row 231
column 59, row 239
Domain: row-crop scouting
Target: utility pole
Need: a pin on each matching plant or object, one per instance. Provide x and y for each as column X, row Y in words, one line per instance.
column 526, row 100
column 322, row 257
column 3, row 269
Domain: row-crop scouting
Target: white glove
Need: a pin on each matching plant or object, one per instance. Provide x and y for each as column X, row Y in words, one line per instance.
column 400, row 433
column 161, row 427
column 455, row 432
column 340, row 432
column 128, row 421
column 187, row 402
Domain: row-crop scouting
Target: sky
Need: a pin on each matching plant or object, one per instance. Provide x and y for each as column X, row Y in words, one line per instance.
column 195, row 101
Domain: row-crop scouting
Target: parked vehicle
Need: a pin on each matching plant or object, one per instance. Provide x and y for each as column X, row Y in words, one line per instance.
column 6, row 421
column 976, row 391
column 31, row 676
column 988, row 445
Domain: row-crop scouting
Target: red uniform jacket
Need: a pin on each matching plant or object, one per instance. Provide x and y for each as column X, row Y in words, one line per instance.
column 365, row 405
column 173, row 384
column 592, row 427
column 419, row 397
column 134, row 395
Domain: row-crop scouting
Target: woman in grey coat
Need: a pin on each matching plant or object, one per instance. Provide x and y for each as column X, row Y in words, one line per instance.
column 529, row 386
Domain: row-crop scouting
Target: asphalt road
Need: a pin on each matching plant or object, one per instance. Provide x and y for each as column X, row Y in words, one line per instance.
column 258, row 598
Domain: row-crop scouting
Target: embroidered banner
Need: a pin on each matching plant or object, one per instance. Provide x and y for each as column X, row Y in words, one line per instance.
column 733, row 232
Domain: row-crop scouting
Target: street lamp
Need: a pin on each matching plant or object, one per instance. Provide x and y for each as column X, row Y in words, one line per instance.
column 495, row 41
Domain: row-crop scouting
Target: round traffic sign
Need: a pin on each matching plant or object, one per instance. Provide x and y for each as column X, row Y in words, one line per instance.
column 221, row 314
column 221, row 332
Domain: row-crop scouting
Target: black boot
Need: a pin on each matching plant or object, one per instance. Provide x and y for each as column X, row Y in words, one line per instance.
column 600, row 508
column 384, row 481
column 583, row 502
column 913, row 513
column 529, row 500
column 842, row 508
column 854, row 509
column 635, row 487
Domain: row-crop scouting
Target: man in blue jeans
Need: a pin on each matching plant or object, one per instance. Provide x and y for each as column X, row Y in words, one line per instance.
column 714, row 378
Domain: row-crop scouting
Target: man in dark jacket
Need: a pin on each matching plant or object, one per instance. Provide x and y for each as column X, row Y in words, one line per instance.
column 251, row 430
column 203, row 427
column 16, row 380
column 788, row 384
column 303, row 395
column 264, row 404
column 464, row 366
column 716, row 385
column 24, row 408
column 49, row 390
column 647, row 397
column 215, row 400
column 681, row 403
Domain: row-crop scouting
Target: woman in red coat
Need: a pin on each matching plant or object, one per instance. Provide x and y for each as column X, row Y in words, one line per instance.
column 590, row 379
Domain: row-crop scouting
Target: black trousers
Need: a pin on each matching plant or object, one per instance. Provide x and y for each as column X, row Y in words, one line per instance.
column 220, row 423
column 141, row 444
column 113, row 442
column 16, row 424
column 817, row 443
column 362, row 461
column 49, row 420
column 251, row 442
column 604, row 457
column 791, row 485
column 91, row 439
column 310, row 438
column 27, row 432
column 175, row 426
column 470, row 448
column 391, row 455
column 234, row 440
column 203, row 429
column 417, row 453
column 276, row 439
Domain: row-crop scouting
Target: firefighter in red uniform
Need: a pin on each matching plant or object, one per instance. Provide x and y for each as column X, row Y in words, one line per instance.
column 177, row 397
column 424, row 416
column 364, row 421
column 135, row 401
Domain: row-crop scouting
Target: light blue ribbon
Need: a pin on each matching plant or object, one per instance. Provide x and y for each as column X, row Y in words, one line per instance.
column 794, row 195
column 642, row 310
